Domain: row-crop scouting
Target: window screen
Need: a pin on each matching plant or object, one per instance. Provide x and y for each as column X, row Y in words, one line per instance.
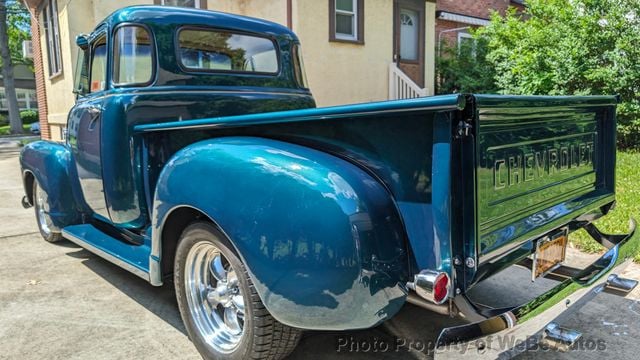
column 346, row 19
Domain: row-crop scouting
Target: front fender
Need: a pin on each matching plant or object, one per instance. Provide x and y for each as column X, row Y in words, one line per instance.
column 50, row 164
column 322, row 240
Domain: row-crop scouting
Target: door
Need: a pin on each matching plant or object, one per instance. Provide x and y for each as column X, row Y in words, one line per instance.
column 85, row 128
column 408, row 35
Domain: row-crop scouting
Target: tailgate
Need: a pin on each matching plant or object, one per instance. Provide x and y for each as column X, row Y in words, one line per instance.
column 540, row 163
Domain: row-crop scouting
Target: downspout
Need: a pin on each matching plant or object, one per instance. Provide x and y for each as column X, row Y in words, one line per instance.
column 290, row 14
column 448, row 31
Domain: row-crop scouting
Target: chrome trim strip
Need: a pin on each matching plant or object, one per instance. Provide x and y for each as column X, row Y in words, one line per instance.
column 105, row 255
column 230, row 122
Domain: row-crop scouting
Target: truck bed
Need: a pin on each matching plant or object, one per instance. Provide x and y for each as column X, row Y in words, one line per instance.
column 477, row 176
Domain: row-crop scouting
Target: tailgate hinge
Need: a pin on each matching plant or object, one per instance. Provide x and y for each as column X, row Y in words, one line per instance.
column 463, row 129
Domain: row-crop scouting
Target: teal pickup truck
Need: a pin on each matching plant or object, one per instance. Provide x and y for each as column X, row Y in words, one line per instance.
column 195, row 156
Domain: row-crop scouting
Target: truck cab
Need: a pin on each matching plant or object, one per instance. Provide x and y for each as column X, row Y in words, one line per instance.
column 195, row 153
column 126, row 77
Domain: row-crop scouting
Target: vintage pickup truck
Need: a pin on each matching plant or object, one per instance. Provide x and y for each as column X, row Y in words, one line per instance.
column 195, row 154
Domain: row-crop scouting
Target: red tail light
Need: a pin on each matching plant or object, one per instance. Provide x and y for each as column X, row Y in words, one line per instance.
column 431, row 285
column 441, row 288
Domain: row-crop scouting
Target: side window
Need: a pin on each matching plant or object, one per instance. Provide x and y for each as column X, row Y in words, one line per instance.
column 132, row 57
column 99, row 65
column 298, row 67
column 81, row 77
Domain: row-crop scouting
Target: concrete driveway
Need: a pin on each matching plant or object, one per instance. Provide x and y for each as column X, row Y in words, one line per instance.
column 62, row 302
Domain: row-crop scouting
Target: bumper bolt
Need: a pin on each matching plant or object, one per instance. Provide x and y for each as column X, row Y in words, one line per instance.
column 470, row 262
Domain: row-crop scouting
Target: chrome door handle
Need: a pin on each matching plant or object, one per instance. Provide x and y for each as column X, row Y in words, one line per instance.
column 94, row 113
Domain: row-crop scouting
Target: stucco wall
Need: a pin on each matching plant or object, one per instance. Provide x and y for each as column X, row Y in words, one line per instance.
column 342, row 73
column 338, row 73
column 272, row 10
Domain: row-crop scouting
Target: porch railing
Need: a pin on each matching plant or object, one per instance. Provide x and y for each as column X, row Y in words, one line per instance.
column 401, row 86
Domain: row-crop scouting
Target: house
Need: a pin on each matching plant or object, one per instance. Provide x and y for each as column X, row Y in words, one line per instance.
column 454, row 18
column 25, row 84
column 354, row 50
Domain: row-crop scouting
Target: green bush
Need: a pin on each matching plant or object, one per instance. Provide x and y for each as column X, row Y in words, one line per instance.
column 4, row 120
column 29, row 116
column 464, row 68
column 571, row 47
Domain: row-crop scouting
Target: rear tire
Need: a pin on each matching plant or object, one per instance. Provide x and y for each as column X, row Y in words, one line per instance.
column 47, row 229
column 219, row 305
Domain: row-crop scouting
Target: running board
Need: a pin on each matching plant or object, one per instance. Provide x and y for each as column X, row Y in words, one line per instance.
column 133, row 258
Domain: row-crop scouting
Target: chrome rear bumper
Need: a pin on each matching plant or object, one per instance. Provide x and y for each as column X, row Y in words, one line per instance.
column 488, row 337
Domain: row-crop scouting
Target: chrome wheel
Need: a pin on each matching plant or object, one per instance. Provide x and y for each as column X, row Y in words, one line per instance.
column 42, row 209
column 214, row 297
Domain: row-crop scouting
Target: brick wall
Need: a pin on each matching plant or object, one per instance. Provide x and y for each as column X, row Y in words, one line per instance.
column 475, row 8
column 41, row 94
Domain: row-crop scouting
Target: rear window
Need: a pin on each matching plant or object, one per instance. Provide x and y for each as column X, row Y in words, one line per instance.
column 213, row 50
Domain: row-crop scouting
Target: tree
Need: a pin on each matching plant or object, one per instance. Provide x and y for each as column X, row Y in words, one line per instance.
column 18, row 30
column 463, row 68
column 12, row 32
column 571, row 47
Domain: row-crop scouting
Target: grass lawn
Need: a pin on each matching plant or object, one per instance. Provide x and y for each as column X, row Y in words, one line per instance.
column 4, row 130
column 628, row 204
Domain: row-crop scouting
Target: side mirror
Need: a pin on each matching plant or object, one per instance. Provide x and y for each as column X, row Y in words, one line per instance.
column 82, row 41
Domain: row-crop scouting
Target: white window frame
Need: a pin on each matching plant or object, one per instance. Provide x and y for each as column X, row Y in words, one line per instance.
column 196, row 3
column 354, row 24
column 52, row 34
column 466, row 35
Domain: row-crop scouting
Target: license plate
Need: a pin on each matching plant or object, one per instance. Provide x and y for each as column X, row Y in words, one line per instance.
column 550, row 253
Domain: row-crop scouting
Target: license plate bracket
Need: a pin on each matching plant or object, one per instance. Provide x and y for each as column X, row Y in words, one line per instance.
column 550, row 253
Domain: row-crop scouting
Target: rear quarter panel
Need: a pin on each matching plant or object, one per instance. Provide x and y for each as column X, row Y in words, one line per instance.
column 321, row 239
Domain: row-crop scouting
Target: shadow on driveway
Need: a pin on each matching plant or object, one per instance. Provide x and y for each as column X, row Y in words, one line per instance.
column 161, row 301
column 412, row 332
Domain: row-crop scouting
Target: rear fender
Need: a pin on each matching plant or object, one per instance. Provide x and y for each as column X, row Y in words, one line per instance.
column 50, row 163
column 322, row 240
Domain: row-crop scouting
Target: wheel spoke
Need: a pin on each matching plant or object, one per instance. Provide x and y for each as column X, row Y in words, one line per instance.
column 231, row 320
column 232, row 279
column 217, row 269
column 214, row 297
column 238, row 302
